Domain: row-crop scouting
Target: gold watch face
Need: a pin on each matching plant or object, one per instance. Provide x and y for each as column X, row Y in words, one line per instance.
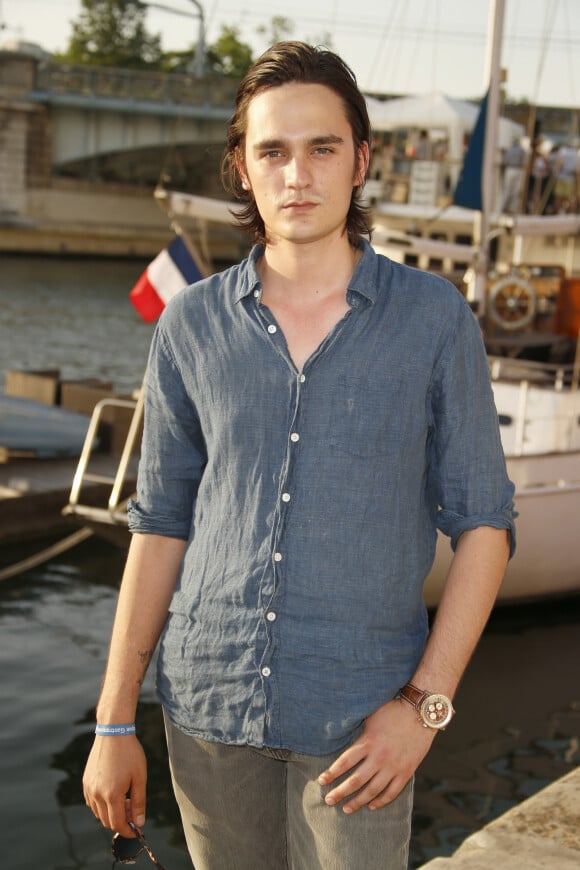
column 436, row 711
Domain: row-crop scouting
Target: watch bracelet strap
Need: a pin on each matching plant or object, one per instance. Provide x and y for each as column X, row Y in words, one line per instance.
column 412, row 695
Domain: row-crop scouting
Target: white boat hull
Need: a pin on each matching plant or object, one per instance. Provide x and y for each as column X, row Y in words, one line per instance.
column 547, row 559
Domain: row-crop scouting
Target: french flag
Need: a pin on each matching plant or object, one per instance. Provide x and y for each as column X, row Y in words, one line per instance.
column 171, row 270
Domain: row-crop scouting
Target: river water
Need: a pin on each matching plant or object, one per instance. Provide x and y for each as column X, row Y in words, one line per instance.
column 518, row 722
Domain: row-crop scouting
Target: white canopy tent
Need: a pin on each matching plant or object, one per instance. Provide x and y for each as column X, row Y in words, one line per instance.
column 436, row 111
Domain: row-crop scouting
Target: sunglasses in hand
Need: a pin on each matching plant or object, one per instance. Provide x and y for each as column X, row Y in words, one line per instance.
column 126, row 849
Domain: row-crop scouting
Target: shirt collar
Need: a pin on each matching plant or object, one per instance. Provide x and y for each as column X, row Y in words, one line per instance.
column 364, row 279
column 249, row 277
column 363, row 282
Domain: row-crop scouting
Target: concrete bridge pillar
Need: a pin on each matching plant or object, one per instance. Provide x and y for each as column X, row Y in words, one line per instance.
column 24, row 133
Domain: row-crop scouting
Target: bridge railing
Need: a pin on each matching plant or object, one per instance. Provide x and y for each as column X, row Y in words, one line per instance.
column 138, row 85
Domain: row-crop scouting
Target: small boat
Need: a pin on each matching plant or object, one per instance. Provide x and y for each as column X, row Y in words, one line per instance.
column 30, row 429
column 539, row 413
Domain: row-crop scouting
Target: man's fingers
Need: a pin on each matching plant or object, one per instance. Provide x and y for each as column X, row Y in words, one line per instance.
column 135, row 810
column 345, row 762
column 358, row 789
column 388, row 795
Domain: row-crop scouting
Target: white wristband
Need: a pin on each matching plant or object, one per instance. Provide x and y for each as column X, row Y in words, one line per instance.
column 114, row 730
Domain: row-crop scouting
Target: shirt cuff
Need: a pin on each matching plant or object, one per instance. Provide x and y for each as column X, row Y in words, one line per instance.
column 454, row 525
column 142, row 522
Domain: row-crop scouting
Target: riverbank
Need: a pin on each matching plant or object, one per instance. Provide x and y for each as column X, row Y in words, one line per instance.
column 542, row 833
column 82, row 218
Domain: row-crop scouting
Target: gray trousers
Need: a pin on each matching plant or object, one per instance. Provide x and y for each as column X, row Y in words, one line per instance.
column 262, row 809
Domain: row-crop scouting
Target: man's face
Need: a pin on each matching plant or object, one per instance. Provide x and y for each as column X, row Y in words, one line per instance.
column 300, row 162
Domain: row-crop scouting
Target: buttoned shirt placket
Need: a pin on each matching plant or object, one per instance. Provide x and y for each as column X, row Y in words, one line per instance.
column 273, row 587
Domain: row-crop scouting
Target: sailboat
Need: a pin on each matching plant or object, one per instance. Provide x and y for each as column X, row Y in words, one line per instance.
column 538, row 404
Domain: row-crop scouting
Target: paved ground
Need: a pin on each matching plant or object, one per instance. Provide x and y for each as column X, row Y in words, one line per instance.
column 542, row 833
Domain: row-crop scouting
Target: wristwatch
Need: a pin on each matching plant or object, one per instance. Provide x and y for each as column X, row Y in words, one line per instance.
column 433, row 709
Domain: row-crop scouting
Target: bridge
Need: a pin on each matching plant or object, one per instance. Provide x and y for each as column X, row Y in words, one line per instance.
column 84, row 147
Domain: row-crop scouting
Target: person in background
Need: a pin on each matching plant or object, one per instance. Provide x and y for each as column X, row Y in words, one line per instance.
column 313, row 416
column 424, row 149
column 538, row 178
column 514, row 159
column 565, row 171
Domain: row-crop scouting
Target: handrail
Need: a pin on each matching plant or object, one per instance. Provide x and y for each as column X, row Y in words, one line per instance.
column 117, row 482
column 127, row 452
column 151, row 86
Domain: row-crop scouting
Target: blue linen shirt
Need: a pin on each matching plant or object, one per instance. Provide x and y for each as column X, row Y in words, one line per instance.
column 310, row 500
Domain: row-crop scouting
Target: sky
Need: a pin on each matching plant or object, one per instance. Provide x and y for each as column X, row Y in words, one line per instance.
column 393, row 46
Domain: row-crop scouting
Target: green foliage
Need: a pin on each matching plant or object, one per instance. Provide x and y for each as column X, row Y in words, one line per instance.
column 279, row 29
column 228, row 55
column 177, row 61
column 113, row 33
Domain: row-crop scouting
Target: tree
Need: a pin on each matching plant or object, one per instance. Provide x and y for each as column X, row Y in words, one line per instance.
column 113, row 33
column 280, row 28
column 228, row 55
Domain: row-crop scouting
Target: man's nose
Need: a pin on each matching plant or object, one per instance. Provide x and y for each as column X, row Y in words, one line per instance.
column 298, row 172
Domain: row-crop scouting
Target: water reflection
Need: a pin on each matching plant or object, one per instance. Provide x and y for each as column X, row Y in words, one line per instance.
column 72, row 315
column 516, row 730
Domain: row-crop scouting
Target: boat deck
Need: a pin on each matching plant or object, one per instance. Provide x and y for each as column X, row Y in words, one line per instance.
column 33, row 493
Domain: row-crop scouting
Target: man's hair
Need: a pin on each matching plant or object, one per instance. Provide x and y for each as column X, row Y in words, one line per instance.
column 284, row 63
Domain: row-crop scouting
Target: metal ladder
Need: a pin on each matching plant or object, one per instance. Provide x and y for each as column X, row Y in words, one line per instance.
column 115, row 511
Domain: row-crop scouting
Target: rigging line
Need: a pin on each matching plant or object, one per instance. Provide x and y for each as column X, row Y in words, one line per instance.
column 392, row 62
column 571, row 67
column 414, row 54
column 547, row 30
column 383, row 41
column 435, row 49
column 367, row 26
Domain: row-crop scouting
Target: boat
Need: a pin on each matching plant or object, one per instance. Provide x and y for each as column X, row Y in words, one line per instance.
column 535, row 369
column 33, row 430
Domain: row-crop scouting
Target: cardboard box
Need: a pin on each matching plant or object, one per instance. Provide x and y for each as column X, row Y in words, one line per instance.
column 82, row 396
column 40, row 386
column 119, row 420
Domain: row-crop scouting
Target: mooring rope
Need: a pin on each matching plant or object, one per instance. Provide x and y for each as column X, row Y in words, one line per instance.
column 44, row 555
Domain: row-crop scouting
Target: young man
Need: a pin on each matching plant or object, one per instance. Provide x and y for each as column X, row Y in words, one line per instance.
column 313, row 416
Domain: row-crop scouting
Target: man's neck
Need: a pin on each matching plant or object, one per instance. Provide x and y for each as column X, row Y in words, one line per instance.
column 301, row 270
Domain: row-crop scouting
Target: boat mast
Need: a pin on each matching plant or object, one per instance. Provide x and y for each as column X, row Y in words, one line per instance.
column 492, row 83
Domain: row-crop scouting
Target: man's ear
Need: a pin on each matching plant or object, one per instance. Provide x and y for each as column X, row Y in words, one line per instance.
column 241, row 167
column 362, row 165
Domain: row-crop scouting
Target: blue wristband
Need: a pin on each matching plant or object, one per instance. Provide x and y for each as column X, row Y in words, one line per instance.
column 114, row 730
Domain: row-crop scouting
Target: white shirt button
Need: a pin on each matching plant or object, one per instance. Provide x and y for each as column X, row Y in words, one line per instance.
column 295, row 437
column 277, row 557
column 302, row 378
column 285, row 496
column 266, row 672
column 272, row 329
column 271, row 616
column 257, row 294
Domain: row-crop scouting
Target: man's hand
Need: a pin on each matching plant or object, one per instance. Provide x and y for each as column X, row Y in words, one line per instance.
column 381, row 761
column 114, row 783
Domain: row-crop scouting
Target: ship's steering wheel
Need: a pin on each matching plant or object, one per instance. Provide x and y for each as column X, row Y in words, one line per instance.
column 512, row 303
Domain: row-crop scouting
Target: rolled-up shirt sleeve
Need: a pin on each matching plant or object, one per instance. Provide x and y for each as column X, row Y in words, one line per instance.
column 173, row 453
column 468, row 463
